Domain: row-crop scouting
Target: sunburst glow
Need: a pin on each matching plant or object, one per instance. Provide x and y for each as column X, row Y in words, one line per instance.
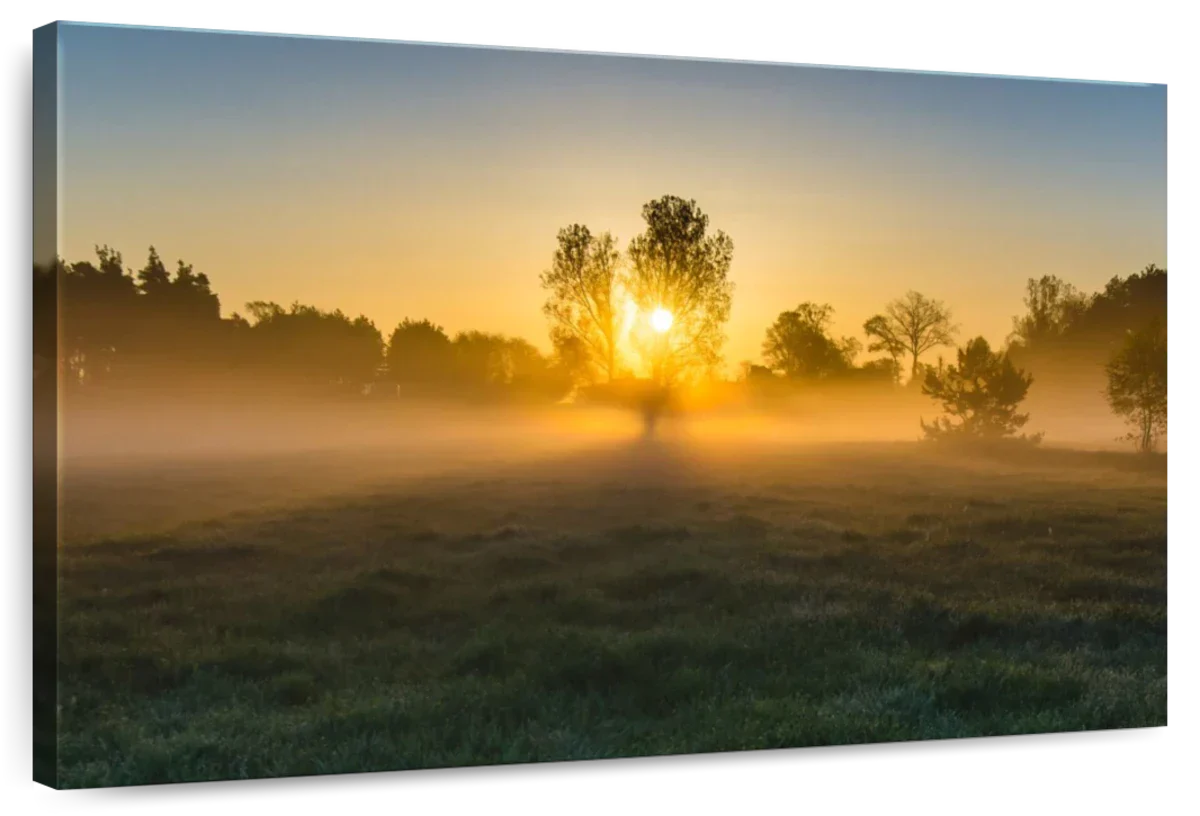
column 661, row 320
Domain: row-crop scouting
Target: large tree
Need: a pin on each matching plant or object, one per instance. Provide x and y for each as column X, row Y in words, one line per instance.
column 1137, row 384
column 980, row 395
column 911, row 325
column 799, row 345
column 680, row 269
column 582, row 303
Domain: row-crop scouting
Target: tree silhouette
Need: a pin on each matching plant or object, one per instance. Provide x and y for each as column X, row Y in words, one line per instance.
column 492, row 364
column 527, row 373
column 179, row 319
column 192, row 298
column 882, row 370
column 798, row 344
column 572, row 358
column 1135, row 302
column 1137, row 385
column 582, row 282
column 1053, row 306
column 882, row 338
column 980, row 395
column 315, row 348
column 98, row 305
column 913, row 325
column 1067, row 338
column 161, row 330
column 420, row 353
column 479, row 358
column 676, row 265
column 153, row 278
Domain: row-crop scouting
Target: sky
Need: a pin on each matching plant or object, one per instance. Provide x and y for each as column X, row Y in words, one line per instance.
column 403, row 180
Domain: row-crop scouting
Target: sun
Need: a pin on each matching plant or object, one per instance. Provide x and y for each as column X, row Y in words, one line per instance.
column 661, row 320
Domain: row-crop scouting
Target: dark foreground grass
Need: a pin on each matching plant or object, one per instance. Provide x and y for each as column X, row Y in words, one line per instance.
column 647, row 600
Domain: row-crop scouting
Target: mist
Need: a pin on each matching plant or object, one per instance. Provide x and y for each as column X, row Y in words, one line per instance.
column 149, row 463
column 145, row 427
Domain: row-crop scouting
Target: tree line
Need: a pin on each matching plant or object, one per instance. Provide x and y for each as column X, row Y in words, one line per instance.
column 119, row 327
column 654, row 311
column 1112, row 342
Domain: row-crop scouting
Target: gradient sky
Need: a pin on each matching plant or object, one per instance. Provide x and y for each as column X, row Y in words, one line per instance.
column 401, row 180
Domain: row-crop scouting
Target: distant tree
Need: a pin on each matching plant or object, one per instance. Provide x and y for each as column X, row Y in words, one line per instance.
column 1052, row 306
column 153, row 278
column 529, row 374
column 912, row 325
column 882, row 370
column 234, row 345
column 361, row 349
column 178, row 330
column 761, row 384
column 307, row 345
column 1136, row 302
column 980, row 396
column 478, row 359
column 798, row 344
column 420, row 352
column 582, row 283
column 520, row 363
column 98, row 315
column 678, row 266
column 1137, row 385
column 572, row 358
column 266, row 312
column 506, row 366
column 192, row 296
column 187, row 297
column 882, row 337
column 1067, row 338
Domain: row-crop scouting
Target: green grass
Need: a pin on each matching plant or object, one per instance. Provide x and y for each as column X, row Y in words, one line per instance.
column 646, row 600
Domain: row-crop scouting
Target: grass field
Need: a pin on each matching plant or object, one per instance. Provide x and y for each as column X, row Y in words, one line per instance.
column 224, row 618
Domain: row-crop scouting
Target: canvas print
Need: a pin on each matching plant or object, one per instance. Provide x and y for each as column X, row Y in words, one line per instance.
column 404, row 406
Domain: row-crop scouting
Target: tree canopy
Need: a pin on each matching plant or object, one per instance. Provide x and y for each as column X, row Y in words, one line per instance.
column 798, row 344
column 582, row 302
column 911, row 325
column 1137, row 384
column 678, row 265
column 980, row 395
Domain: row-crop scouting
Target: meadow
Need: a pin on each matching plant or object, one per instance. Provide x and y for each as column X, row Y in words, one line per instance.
column 371, row 607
